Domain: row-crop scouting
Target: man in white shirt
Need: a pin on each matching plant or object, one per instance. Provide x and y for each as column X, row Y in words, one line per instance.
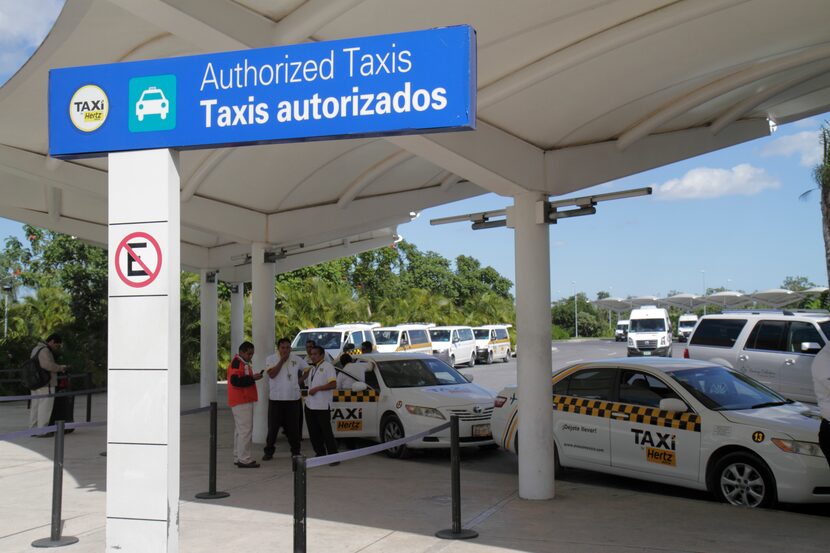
column 354, row 371
column 284, row 370
column 821, row 383
column 321, row 380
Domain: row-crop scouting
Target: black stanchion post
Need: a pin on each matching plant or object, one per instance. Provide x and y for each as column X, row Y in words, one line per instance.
column 212, row 493
column 88, row 384
column 55, row 539
column 299, row 503
column 456, row 532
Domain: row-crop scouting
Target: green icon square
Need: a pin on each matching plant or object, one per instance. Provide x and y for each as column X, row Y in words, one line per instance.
column 152, row 104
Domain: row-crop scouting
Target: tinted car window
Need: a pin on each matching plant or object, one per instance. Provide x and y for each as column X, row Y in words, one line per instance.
column 720, row 389
column 592, row 384
column 440, row 335
column 717, row 332
column 482, row 333
column 767, row 336
column 639, row 388
column 386, row 337
column 418, row 337
column 799, row 332
column 647, row 325
column 466, row 334
column 501, row 333
column 413, row 373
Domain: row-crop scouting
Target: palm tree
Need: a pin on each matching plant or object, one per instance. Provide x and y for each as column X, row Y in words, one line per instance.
column 822, row 176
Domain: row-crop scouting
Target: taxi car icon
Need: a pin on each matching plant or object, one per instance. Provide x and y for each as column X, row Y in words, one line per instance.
column 152, row 102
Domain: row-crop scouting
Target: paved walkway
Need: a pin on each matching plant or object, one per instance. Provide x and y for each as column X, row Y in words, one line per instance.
column 375, row 504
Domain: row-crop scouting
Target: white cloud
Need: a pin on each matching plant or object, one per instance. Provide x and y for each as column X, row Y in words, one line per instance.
column 804, row 144
column 706, row 183
column 23, row 26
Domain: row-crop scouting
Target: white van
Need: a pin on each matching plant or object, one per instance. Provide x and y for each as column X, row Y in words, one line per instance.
column 333, row 339
column 649, row 332
column 403, row 337
column 458, row 343
column 685, row 325
column 492, row 342
column 621, row 332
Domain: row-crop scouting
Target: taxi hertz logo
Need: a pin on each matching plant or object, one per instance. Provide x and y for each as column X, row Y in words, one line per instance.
column 88, row 108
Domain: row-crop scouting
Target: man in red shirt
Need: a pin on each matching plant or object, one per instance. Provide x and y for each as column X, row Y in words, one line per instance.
column 242, row 395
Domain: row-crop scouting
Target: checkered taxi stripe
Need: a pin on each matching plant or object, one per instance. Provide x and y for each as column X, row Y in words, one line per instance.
column 349, row 396
column 636, row 413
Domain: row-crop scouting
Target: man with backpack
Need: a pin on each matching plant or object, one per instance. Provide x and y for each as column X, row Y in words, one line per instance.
column 41, row 408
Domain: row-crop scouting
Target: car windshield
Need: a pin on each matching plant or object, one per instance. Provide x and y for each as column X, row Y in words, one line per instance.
column 326, row 340
column 622, row 327
column 647, row 325
column 152, row 96
column 416, row 373
column 386, row 337
column 481, row 333
column 439, row 335
column 720, row 389
column 686, row 324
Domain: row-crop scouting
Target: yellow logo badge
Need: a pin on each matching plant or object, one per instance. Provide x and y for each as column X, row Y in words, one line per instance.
column 88, row 108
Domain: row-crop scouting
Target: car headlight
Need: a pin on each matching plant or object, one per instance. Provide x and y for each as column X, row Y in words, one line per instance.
column 801, row 448
column 425, row 411
column 631, row 342
column 662, row 340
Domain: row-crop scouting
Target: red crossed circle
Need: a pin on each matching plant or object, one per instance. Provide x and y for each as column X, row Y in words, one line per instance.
column 151, row 274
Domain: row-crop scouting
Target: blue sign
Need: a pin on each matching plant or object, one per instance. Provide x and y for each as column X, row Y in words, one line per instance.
column 405, row 83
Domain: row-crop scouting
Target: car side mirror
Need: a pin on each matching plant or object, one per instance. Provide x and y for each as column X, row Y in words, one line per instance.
column 673, row 404
column 810, row 347
column 359, row 387
column 468, row 377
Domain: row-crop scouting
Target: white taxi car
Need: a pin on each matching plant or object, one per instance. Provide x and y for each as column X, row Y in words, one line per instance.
column 682, row 422
column 492, row 342
column 152, row 102
column 408, row 393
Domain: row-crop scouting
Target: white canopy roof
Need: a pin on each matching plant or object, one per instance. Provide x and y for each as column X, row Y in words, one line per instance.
column 777, row 297
column 728, row 299
column 571, row 94
column 683, row 301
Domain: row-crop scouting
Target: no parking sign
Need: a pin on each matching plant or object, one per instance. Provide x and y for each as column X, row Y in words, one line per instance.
column 138, row 259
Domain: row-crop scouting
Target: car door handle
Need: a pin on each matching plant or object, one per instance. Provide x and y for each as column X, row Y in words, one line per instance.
column 617, row 415
column 789, row 361
column 743, row 357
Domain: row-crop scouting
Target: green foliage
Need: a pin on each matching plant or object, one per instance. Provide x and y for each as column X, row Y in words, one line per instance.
column 65, row 284
column 592, row 321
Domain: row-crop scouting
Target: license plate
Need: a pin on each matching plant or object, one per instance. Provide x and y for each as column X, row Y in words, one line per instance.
column 646, row 353
column 481, row 431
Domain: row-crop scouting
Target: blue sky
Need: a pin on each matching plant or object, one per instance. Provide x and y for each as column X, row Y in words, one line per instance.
column 731, row 217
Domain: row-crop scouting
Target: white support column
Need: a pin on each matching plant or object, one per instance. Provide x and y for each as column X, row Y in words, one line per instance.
column 143, row 352
column 262, row 330
column 208, row 330
column 237, row 315
column 533, row 322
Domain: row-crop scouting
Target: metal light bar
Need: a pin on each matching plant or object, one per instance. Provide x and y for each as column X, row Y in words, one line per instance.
column 596, row 198
column 585, row 205
column 480, row 217
column 556, row 215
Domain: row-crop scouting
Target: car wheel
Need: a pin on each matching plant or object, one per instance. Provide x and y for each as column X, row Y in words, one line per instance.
column 489, row 358
column 472, row 362
column 507, row 357
column 392, row 429
column 452, row 361
column 744, row 480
